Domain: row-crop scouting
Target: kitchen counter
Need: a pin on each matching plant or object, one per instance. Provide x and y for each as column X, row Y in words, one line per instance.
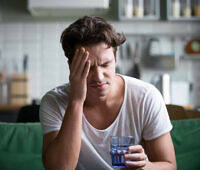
column 9, row 113
column 10, row 107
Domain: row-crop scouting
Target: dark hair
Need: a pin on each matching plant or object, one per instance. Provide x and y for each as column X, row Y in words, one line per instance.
column 89, row 30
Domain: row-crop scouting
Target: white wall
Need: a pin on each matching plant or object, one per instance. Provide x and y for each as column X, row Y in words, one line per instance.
column 48, row 65
column 41, row 42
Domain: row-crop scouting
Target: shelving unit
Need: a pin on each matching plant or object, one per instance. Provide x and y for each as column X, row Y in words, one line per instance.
column 183, row 10
column 172, row 10
column 138, row 10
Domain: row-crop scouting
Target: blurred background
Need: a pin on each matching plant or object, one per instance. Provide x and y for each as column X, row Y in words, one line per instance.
column 162, row 47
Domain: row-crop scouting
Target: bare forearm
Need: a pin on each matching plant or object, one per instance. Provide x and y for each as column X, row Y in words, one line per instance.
column 63, row 151
column 160, row 166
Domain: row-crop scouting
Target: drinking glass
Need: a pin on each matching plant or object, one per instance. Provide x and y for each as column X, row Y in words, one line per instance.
column 118, row 147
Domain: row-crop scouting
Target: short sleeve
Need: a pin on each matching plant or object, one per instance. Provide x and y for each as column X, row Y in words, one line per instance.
column 50, row 114
column 156, row 120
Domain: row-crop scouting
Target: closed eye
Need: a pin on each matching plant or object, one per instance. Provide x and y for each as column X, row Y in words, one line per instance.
column 106, row 64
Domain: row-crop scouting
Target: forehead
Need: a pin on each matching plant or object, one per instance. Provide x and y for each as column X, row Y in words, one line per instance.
column 100, row 52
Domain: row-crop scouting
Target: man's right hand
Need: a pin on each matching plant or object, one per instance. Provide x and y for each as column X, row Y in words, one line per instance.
column 79, row 69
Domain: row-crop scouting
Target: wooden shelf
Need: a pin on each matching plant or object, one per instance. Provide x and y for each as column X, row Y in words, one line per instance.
column 170, row 18
column 190, row 57
column 145, row 18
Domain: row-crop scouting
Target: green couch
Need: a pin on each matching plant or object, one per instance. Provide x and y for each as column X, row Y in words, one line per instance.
column 186, row 139
column 21, row 145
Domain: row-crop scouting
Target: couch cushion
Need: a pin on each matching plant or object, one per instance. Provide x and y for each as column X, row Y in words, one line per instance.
column 186, row 138
column 20, row 146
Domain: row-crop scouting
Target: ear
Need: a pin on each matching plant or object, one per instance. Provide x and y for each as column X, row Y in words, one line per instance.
column 115, row 53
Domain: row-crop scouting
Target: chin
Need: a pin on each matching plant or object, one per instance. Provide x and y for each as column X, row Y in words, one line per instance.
column 98, row 94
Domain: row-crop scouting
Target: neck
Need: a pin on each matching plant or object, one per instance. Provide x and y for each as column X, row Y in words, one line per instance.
column 99, row 102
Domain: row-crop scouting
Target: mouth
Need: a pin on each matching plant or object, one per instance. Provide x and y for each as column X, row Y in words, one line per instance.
column 99, row 86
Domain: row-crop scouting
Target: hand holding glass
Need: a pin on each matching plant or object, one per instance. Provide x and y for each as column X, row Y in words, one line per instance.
column 118, row 147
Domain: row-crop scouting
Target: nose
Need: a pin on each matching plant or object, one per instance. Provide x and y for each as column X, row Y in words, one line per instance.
column 98, row 74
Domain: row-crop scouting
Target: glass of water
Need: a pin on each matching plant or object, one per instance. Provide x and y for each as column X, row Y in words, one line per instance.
column 118, row 147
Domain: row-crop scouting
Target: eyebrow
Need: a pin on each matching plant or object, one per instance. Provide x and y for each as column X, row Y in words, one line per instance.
column 106, row 62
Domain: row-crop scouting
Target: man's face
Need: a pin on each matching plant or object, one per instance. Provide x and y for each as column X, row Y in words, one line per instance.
column 102, row 70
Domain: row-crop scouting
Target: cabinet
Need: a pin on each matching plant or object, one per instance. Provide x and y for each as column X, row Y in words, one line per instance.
column 178, row 10
column 0, row 13
column 173, row 10
column 139, row 9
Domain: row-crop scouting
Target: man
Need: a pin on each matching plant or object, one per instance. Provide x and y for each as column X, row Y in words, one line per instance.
column 78, row 118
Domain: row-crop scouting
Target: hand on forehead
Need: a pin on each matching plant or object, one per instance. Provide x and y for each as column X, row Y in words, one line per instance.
column 98, row 53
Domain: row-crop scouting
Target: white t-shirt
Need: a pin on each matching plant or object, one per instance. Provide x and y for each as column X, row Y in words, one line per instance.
column 143, row 115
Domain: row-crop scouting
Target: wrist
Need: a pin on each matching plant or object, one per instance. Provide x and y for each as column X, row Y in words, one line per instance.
column 76, row 99
column 76, row 103
column 148, row 165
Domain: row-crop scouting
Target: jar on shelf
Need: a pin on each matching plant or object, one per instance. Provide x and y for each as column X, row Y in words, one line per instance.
column 128, row 8
column 197, row 8
column 187, row 8
column 176, row 8
column 139, row 8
